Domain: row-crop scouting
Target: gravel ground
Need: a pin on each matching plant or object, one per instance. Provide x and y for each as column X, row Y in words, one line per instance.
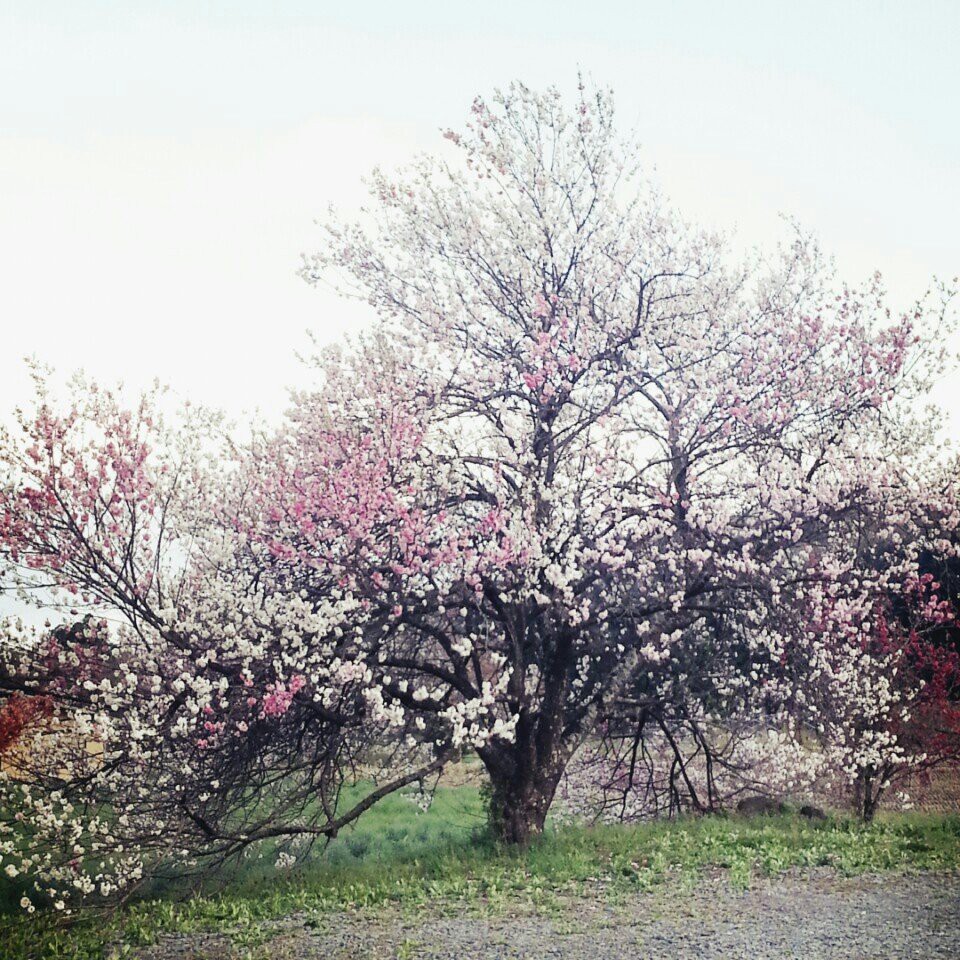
column 817, row 917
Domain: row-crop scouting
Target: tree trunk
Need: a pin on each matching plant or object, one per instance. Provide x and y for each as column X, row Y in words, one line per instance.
column 519, row 806
column 524, row 777
column 868, row 790
column 524, row 774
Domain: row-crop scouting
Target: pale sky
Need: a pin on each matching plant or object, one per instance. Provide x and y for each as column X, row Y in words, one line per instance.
column 162, row 165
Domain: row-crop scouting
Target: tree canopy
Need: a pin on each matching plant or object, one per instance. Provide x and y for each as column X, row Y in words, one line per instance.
column 588, row 472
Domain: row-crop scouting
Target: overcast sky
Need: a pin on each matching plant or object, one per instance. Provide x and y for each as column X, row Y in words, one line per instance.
column 162, row 165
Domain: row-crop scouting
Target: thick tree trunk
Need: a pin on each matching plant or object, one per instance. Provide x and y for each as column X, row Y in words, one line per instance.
column 524, row 774
column 524, row 777
column 519, row 806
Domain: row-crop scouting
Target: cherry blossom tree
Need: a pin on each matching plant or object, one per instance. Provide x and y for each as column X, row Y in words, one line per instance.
column 587, row 468
column 637, row 444
column 882, row 694
column 199, row 705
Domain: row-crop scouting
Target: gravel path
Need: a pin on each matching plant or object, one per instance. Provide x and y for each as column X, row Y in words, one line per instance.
column 810, row 918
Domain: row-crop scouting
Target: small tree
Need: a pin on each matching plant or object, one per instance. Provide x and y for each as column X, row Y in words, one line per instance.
column 885, row 695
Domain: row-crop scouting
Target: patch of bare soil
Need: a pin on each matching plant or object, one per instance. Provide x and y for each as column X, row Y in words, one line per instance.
column 813, row 917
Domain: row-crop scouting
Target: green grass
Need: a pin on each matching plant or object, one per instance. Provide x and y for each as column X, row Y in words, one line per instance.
column 399, row 860
column 392, row 833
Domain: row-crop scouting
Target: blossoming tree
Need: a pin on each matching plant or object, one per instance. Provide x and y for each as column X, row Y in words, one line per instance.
column 640, row 452
column 882, row 693
column 584, row 468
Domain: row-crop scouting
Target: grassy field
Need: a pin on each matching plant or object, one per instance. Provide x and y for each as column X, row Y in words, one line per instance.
column 401, row 857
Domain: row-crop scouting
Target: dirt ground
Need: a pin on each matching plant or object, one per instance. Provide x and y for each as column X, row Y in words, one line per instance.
column 814, row 917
